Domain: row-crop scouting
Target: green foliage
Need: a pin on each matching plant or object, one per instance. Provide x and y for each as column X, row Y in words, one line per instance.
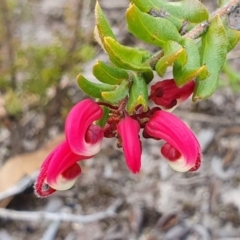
column 184, row 71
column 192, row 11
column 108, row 74
column 25, row 80
column 213, row 52
column 102, row 121
column 12, row 103
column 102, row 27
column 163, row 24
column 127, row 57
column 172, row 52
column 157, row 22
column 153, row 30
column 118, row 94
column 138, row 94
column 93, row 89
column 178, row 13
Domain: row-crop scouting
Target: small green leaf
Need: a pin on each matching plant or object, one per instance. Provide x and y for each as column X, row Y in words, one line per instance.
column 184, row 73
column 148, row 76
column 102, row 27
column 213, row 52
column 126, row 57
column 172, row 51
column 138, row 95
column 102, row 121
column 233, row 37
column 108, row 74
column 118, row 94
column 189, row 10
column 93, row 89
column 153, row 30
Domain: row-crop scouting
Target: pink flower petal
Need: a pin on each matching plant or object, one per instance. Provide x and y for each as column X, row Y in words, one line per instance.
column 62, row 170
column 59, row 171
column 183, row 150
column 83, row 137
column 128, row 129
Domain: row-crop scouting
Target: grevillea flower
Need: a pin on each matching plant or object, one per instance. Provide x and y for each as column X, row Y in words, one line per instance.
column 83, row 137
column 59, row 171
column 168, row 95
column 128, row 130
column 182, row 149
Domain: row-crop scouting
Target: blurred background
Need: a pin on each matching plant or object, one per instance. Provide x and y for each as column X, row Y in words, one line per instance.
column 43, row 46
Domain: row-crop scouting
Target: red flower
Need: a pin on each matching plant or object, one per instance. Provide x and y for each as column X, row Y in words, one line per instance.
column 60, row 169
column 129, row 129
column 83, row 136
column 182, row 149
column 168, row 95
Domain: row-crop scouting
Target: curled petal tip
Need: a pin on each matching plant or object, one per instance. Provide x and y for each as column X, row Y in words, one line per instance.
column 67, row 179
column 83, row 137
column 128, row 130
column 182, row 149
column 174, row 158
column 59, row 171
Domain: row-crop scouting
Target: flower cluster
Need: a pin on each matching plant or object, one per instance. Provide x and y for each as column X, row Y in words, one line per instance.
column 84, row 136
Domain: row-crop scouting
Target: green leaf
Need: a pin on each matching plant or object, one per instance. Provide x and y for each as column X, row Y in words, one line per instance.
column 108, row 74
column 191, row 11
column 102, row 27
column 126, row 57
column 153, row 30
column 118, row 94
column 233, row 37
column 172, row 51
column 213, row 52
column 148, row 76
column 102, row 121
column 147, row 5
column 184, row 73
column 138, row 94
column 93, row 89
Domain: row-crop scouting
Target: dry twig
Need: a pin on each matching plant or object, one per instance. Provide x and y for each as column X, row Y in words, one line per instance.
column 62, row 217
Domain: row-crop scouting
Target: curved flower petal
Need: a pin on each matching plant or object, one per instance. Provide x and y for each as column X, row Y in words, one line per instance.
column 129, row 129
column 83, row 137
column 59, row 171
column 63, row 169
column 168, row 95
column 182, row 149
